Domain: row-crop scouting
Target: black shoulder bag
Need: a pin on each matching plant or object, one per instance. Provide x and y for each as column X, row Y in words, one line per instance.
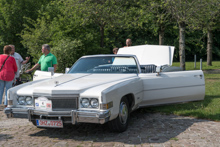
column 4, row 63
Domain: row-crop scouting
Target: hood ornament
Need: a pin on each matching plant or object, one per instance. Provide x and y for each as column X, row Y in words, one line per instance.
column 56, row 83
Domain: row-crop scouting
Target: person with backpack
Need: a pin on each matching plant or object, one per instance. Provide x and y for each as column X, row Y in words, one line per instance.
column 8, row 68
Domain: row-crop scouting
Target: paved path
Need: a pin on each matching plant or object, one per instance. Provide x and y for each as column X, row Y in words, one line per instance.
column 145, row 129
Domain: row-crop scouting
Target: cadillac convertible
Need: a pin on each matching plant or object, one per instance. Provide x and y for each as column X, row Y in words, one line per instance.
column 105, row 89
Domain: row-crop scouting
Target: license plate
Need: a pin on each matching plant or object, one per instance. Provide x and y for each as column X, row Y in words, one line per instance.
column 49, row 123
column 43, row 103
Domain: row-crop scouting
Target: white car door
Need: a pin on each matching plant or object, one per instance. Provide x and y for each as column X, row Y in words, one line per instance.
column 172, row 87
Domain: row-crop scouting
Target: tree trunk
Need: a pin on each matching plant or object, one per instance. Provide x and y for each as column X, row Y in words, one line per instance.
column 102, row 36
column 161, row 37
column 209, row 47
column 182, row 27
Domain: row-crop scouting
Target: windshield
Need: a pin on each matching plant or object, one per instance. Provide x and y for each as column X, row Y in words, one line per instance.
column 105, row 65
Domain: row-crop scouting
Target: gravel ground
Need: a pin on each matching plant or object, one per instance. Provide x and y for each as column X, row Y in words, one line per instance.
column 145, row 129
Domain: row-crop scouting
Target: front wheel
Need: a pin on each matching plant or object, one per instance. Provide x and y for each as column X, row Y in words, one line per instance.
column 120, row 124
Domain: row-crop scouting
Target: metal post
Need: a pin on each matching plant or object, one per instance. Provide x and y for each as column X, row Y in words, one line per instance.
column 195, row 61
column 200, row 64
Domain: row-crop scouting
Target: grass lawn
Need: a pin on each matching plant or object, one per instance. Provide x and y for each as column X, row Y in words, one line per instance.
column 209, row 108
column 190, row 65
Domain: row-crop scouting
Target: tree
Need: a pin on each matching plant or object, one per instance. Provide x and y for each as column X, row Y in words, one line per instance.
column 157, row 17
column 35, row 35
column 62, row 29
column 103, row 13
column 12, row 18
column 180, row 12
column 207, row 18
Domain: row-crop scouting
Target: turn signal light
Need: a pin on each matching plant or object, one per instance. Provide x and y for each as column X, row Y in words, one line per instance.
column 106, row 106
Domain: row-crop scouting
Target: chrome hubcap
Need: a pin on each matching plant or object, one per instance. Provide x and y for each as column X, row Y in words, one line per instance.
column 123, row 114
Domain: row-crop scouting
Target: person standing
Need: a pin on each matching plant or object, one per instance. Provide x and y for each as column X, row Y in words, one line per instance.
column 8, row 68
column 19, row 60
column 46, row 60
column 128, row 42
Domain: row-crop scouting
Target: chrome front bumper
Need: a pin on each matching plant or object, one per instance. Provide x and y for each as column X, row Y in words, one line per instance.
column 73, row 116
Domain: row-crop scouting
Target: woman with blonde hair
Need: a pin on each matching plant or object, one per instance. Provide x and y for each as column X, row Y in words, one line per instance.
column 8, row 68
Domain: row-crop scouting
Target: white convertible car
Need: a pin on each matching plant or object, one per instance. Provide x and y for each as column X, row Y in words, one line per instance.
column 106, row 89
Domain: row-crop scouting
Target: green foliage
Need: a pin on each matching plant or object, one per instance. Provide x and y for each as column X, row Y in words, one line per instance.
column 64, row 35
column 97, row 26
column 104, row 14
column 67, row 52
column 12, row 13
column 34, row 38
column 207, row 18
column 156, row 15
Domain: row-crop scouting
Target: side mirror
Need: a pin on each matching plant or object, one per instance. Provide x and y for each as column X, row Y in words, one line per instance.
column 51, row 69
column 158, row 70
column 67, row 70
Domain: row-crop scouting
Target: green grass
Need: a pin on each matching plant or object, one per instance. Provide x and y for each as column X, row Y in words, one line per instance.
column 175, row 139
column 209, row 108
column 190, row 65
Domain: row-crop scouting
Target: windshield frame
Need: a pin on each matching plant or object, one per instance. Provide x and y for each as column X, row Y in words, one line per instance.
column 109, row 55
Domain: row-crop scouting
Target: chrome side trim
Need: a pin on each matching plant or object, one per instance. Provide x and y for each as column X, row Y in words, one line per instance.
column 174, row 87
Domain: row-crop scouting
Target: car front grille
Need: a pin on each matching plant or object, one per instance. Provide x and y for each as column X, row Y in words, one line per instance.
column 60, row 104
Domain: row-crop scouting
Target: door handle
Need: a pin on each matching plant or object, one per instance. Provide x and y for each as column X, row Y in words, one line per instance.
column 198, row 76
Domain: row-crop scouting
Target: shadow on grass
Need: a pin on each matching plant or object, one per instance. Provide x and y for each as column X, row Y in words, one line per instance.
column 215, row 117
column 143, row 128
column 194, row 109
column 213, row 79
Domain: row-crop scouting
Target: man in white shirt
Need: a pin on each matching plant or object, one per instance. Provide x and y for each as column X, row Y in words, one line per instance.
column 128, row 42
column 19, row 60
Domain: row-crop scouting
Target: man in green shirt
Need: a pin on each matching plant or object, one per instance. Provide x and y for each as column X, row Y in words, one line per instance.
column 46, row 60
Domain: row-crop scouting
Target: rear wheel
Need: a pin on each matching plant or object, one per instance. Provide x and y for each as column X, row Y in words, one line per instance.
column 120, row 124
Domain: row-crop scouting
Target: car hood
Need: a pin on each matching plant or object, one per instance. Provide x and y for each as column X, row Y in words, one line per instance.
column 71, row 83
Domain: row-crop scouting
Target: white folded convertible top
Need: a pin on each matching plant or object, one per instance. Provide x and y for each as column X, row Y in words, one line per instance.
column 151, row 54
